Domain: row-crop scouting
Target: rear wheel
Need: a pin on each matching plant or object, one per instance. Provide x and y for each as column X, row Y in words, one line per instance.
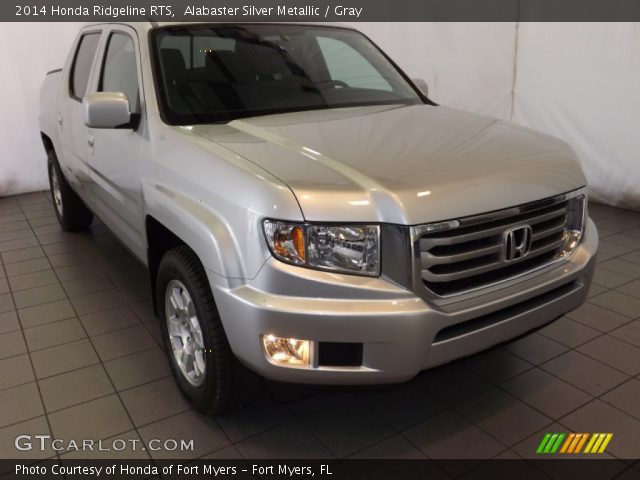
column 201, row 359
column 71, row 211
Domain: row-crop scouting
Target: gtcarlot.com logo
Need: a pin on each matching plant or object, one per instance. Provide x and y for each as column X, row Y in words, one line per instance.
column 47, row 442
column 574, row 443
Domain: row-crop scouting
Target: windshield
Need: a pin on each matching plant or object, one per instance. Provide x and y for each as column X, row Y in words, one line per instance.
column 216, row 73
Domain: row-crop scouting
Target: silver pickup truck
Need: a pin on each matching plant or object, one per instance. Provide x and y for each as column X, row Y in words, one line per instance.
column 306, row 213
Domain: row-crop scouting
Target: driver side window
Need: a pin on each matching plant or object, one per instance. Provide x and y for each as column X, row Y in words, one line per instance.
column 119, row 71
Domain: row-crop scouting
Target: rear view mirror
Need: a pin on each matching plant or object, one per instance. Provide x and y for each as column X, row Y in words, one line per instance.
column 108, row 110
column 422, row 85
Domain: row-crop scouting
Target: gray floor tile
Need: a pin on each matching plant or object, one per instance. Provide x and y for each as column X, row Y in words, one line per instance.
column 260, row 415
column 608, row 279
column 595, row 290
column 97, row 419
column 13, row 226
column 619, row 303
column 206, row 435
column 498, row 365
column 47, row 228
column 546, row 393
column 38, row 296
column 626, row 397
column 154, row 401
column 632, row 289
column 77, row 271
column 63, row 358
column 95, row 283
column 31, row 280
column 144, row 310
column 35, row 426
column 613, row 249
column 632, row 256
column 503, row 416
column 46, row 313
column 4, row 286
column 15, row 234
column 451, row 436
column 622, row 267
column 27, row 266
column 69, row 259
column 597, row 317
column 569, row 333
column 139, row 368
column 22, row 255
column 15, row 371
column 109, row 320
column 20, row 403
column 615, row 353
column 456, row 384
column 291, row 441
column 12, row 344
column 95, row 302
column 342, row 423
column 629, row 333
column 57, row 237
column 19, row 244
column 9, row 322
column 406, row 405
column 70, row 246
column 584, row 372
column 73, row 388
column 396, row 447
column 53, row 334
column 11, row 217
column 597, row 416
column 6, row 303
column 123, row 342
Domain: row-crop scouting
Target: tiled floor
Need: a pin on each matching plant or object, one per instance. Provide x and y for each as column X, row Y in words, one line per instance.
column 80, row 357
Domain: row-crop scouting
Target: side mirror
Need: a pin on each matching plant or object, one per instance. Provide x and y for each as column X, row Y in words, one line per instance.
column 108, row 110
column 422, row 85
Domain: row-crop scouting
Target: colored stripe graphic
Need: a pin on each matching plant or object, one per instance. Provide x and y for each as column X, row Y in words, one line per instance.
column 573, row 443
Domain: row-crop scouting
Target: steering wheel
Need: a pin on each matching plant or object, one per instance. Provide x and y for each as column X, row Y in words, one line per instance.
column 325, row 84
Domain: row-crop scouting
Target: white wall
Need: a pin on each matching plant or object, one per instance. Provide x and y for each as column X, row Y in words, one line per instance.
column 577, row 81
column 581, row 82
column 27, row 52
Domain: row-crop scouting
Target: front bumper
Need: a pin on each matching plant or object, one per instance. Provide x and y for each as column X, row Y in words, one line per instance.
column 401, row 333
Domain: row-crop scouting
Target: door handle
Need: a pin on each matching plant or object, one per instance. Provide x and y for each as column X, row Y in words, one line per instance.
column 90, row 142
column 60, row 120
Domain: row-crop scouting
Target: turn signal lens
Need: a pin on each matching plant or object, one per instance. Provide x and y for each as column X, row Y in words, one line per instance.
column 286, row 351
column 286, row 241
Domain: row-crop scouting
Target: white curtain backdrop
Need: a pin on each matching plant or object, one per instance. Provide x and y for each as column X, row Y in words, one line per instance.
column 27, row 52
column 577, row 81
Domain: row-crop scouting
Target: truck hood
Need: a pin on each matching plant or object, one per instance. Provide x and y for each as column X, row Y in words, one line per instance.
column 401, row 164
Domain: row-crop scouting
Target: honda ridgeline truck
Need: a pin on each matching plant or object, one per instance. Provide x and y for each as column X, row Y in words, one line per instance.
column 306, row 213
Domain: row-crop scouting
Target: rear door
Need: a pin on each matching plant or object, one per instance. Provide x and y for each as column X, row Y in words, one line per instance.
column 72, row 130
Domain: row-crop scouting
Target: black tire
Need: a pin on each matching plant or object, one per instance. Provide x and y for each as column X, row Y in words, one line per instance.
column 71, row 211
column 226, row 383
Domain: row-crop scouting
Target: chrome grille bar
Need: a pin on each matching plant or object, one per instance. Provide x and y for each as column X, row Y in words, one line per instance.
column 472, row 253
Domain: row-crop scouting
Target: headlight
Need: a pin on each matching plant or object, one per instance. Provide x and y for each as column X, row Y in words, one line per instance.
column 338, row 248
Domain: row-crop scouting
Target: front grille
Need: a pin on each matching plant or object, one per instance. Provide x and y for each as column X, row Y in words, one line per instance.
column 474, row 252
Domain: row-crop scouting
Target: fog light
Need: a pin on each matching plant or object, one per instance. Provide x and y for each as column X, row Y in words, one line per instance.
column 286, row 351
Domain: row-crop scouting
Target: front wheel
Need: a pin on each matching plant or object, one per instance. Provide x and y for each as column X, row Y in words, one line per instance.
column 201, row 359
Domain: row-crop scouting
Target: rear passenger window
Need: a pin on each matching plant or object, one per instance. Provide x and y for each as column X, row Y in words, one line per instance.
column 82, row 64
column 120, row 71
